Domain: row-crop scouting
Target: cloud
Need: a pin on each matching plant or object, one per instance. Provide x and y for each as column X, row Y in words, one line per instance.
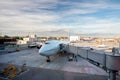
column 100, row 27
column 87, row 7
column 29, row 22
column 48, row 15
column 26, row 15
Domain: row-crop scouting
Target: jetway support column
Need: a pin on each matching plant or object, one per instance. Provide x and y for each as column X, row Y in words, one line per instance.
column 112, row 75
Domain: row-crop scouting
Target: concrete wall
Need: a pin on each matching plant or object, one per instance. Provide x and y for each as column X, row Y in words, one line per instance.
column 12, row 48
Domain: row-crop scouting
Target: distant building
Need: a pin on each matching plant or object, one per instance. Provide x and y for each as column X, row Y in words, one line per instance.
column 110, row 40
column 28, row 40
column 9, row 41
column 21, row 42
column 87, row 39
column 32, row 36
column 24, row 41
column 74, row 38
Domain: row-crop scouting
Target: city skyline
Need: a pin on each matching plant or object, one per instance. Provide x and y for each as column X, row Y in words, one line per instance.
column 80, row 16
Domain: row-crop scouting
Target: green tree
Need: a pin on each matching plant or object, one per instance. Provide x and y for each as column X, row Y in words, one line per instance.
column 17, row 37
column 6, row 36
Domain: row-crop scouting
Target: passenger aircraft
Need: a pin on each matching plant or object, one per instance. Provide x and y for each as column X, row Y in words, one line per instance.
column 51, row 48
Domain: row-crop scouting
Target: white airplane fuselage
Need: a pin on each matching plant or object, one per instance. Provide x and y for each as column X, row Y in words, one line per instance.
column 51, row 48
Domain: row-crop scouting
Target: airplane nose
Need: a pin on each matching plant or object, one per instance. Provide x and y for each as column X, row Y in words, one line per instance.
column 48, row 52
column 44, row 52
column 41, row 52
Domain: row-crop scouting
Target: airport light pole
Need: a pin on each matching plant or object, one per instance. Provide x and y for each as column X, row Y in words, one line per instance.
column 119, row 44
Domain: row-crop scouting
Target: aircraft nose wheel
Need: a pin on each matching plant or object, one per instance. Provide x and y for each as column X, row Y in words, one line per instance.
column 48, row 60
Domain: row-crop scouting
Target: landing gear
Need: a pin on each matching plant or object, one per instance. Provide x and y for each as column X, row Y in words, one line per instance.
column 72, row 57
column 48, row 59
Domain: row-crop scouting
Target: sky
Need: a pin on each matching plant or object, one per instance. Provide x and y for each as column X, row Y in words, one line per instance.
column 80, row 16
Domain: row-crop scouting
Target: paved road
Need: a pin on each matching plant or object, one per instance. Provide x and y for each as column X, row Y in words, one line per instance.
column 59, row 69
column 35, row 73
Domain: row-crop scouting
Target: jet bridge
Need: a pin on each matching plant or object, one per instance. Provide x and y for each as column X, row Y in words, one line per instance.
column 113, row 64
column 110, row 61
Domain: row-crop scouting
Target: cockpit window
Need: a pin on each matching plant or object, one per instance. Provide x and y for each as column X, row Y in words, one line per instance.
column 47, row 43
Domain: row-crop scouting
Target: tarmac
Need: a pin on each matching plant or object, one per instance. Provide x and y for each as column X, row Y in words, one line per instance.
column 58, row 69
